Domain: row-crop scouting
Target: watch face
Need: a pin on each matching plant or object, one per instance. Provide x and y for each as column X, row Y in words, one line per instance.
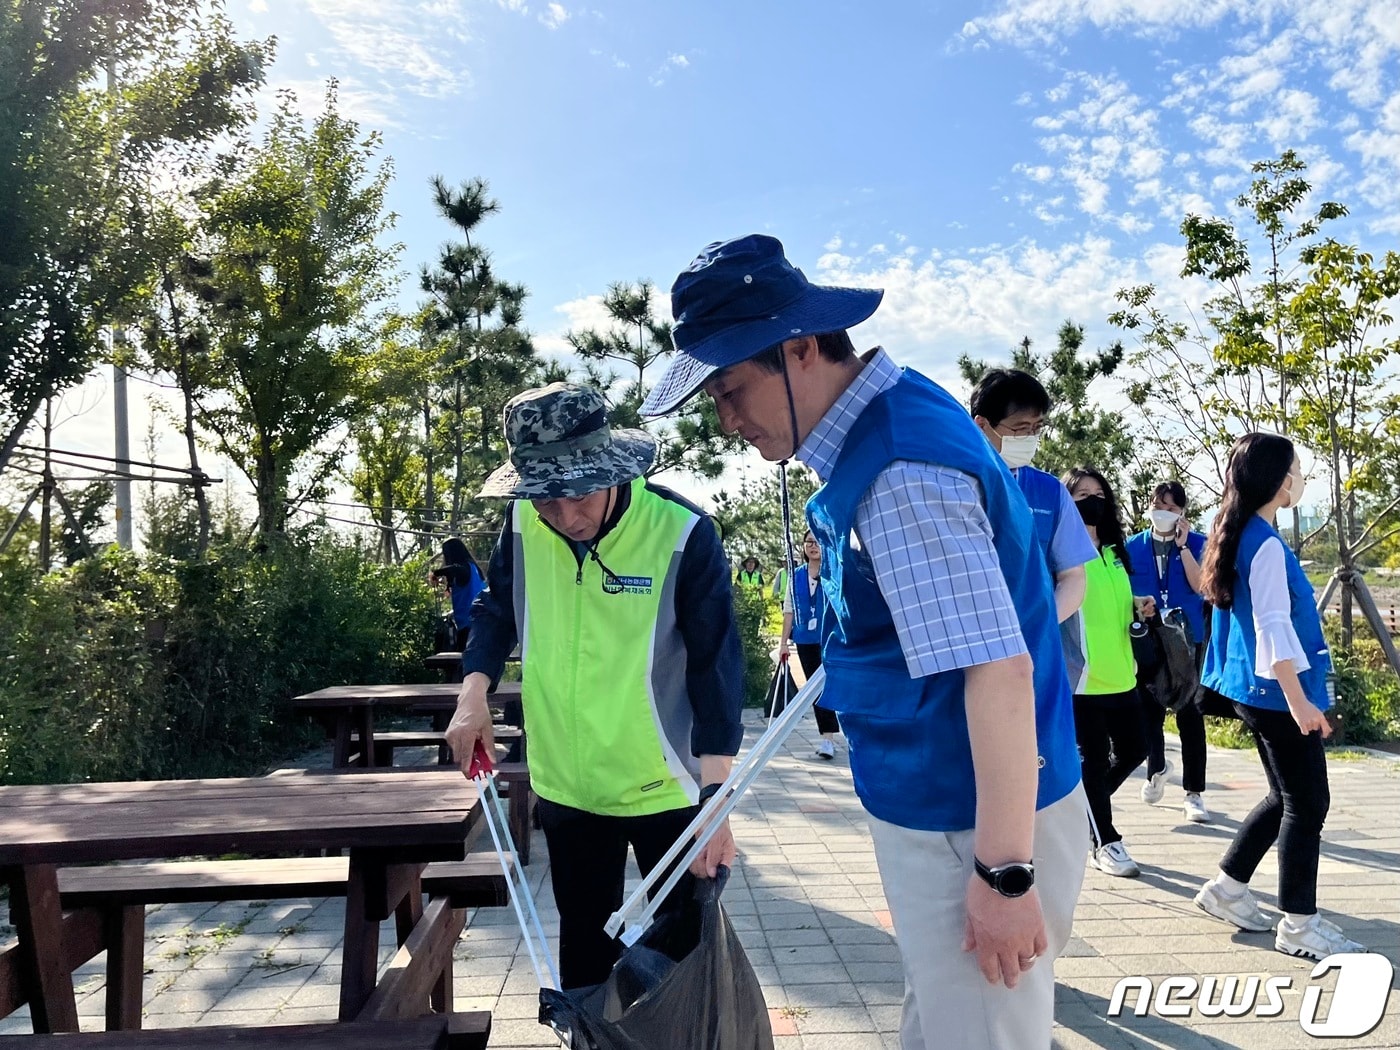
column 1014, row 880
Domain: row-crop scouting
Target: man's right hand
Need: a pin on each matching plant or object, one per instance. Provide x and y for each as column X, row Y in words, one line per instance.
column 471, row 722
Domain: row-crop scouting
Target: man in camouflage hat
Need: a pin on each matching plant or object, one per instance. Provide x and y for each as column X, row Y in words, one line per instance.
column 618, row 593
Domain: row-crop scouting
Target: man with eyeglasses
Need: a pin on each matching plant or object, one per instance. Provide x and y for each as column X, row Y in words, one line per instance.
column 1009, row 407
column 618, row 593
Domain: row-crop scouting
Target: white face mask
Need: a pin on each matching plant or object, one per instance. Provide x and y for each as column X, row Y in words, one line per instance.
column 1019, row 451
column 1164, row 521
column 1293, row 491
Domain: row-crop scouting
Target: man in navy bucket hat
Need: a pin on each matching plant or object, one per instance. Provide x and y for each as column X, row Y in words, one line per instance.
column 941, row 647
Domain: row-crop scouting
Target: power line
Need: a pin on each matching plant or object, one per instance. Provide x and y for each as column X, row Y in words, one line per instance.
column 39, row 449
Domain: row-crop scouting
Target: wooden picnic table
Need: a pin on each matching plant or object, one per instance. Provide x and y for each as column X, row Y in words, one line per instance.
column 392, row 826
column 451, row 660
column 348, row 711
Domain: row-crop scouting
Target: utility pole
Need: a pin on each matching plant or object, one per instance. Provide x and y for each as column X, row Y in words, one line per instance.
column 116, row 336
column 45, row 511
column 123, row 441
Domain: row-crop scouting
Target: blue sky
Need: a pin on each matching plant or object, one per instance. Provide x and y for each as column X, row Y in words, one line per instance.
column 997, row 166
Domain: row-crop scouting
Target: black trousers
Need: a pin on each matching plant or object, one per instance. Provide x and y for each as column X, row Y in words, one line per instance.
column 810, row 656
column 1291, row 814
column 587, row 866
column 1192, row 728
column 1111, row 745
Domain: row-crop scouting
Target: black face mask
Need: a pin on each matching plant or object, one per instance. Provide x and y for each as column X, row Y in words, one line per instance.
column 1091, row 509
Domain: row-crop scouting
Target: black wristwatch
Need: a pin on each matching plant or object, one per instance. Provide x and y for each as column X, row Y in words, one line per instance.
column 1010, row 880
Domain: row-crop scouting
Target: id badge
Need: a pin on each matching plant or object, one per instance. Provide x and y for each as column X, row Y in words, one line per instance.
column 812, row 624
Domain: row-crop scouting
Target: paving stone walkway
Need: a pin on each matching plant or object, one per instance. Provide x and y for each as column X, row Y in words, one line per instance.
column 806, row 900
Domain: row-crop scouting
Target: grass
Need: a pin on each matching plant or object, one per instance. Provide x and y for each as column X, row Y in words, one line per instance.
column 792, row 1013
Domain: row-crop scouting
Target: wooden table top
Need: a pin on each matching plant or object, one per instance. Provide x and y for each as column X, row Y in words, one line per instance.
column 423, row 817
column 408, row 694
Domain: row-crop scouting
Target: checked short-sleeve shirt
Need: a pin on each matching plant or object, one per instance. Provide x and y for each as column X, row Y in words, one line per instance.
column 930, row 542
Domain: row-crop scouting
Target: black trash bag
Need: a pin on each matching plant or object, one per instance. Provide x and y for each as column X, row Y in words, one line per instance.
column 782, row 687
column 1174, row 682
column 685, row 985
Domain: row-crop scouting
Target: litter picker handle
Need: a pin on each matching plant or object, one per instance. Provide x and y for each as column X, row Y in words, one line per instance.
column 521, row 899
column 711, row 815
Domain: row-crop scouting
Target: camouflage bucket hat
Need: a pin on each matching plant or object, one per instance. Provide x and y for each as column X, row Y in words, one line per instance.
column 561, row 446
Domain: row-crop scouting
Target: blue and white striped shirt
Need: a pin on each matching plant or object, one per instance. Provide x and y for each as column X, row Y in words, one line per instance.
column 929, row 541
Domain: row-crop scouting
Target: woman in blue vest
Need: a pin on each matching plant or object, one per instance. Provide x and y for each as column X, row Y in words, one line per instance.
column 464, row 581
column 1268, row 656
column 1107, row 711
column 1166, row 567
column 802, row 621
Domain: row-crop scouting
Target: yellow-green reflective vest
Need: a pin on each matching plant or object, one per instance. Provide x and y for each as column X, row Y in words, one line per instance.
column 604, row 663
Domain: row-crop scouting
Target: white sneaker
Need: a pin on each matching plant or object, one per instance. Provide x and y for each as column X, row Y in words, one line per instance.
column 1155, row 785
column 1114, row 859
column 1242, row 911
column 1315, row 939
column 826, row 749
column 1195, row 808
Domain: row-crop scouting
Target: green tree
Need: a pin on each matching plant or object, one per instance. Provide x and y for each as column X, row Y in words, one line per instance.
column 1345, row 407
column 294, row 276
column 637, row 341
column 1200, row 387
column 750, row 519
column 475, row 321
column 77, row 159
column 1078, row 432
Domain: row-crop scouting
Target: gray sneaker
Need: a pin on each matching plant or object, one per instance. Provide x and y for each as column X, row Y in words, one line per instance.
column 1156, row 784
column 826, row 749
column 1242, row 911
column 1315, row 939
column 1114, row 859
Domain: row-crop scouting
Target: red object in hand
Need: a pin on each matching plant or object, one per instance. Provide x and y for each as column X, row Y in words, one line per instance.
column 783, row 656
column 481, row 761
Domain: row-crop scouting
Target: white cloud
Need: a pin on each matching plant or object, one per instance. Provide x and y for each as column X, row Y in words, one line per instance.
column 982, row 303
column 674, row 61
column 369, row 108
column 1357, row 40
column 417, row 45
column 555, row 15
column 258, row 7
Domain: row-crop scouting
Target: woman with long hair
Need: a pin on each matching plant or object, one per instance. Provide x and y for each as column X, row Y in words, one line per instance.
column 802, row 622
column 1107, row 712
column 1268, row 656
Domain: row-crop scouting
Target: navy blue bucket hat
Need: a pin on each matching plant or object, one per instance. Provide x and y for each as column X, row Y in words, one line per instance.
column 738, row 298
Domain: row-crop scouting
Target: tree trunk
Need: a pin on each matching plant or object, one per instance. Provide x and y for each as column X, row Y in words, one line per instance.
column 271, row 510
column 201, row 497
column 457, row 452
column 430, row 493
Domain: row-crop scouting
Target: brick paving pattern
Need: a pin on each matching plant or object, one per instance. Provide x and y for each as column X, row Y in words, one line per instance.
column 806, row 900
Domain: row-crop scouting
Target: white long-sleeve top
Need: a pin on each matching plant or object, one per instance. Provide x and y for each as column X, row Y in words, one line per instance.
column 1274, row 636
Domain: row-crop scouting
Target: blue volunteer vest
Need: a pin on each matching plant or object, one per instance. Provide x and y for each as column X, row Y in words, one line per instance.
column 806, row 607
column 1042, row 492
column 911, row 759
column 1175, row 591
column 1229, row 666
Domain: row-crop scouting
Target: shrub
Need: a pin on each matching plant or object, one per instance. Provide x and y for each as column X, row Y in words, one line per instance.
column 751, row 609
column 132, row 667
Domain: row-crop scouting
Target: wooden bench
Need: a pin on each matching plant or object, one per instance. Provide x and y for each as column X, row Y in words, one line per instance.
column 105, row 907
column 457, row 1031
column 386, row 743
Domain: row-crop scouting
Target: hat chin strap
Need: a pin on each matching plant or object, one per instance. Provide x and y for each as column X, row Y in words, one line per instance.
column 783, row 482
